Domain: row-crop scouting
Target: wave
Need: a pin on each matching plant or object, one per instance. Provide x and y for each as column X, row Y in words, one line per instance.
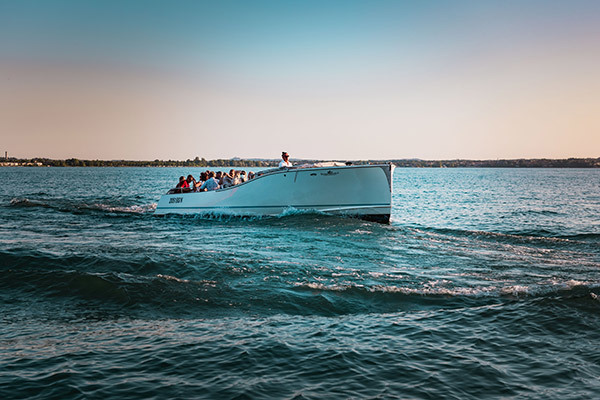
column 289, row 217
column 214, row 216
column 536, row 212
column 528, row 236
column 580, row 236
column 109, row 289
column 133, row 209
column 24, row 202
column 80, row 206
column 291, row 211
column 564, row 289
column 74, row 206
column 18, row 259
column 164, row 294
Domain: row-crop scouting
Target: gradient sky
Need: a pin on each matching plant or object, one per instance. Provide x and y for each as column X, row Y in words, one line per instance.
column 319, row 79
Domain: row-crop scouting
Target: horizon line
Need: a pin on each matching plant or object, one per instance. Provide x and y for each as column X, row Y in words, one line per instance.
column 305, row 159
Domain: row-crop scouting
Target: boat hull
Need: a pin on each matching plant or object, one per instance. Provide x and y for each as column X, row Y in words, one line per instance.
column 362, row 191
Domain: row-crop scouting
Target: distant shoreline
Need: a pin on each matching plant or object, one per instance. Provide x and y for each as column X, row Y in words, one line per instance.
column 266, row 163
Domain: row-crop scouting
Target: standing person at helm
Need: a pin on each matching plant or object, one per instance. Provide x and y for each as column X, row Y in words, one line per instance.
column 285, row 163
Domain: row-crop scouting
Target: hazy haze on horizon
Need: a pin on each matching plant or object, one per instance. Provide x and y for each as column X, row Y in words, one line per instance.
column 324, row 80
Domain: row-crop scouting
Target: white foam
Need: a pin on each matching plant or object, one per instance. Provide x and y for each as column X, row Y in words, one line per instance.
column 294, row 211
column 172, row 278
column 435, row 289
column 26, row 202
column 134, row 209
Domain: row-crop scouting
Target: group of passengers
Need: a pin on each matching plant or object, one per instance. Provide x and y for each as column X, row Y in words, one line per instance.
column 211, row 180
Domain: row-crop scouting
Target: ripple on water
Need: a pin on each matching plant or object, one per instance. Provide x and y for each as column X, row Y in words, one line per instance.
column 486, row 284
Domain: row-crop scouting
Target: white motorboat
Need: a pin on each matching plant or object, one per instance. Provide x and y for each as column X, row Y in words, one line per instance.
column 363, row 191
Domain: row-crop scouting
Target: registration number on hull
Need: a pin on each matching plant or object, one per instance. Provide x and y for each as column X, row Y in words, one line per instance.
column 175, row 200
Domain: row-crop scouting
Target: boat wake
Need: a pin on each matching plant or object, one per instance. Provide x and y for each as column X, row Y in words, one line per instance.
column 552, row 288
column 525, row 236
column 149, row 287
column 74, row 206
column 288, row 216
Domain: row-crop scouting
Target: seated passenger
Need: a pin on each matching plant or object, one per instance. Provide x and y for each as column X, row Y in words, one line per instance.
column 227, row 179
column 191, row 181
column 236, row 178
column 243, row 176
column 203, row 178
column 210, row 184
column 250, row 175
column 181, row 183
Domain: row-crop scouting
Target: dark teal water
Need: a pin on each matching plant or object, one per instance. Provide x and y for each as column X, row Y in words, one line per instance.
column 485, row 285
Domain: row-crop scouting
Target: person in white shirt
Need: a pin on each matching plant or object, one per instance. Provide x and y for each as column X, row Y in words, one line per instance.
column 211, row 183
column 203, row 178
column 227, row 179
column 236, row 178
column 285, row 163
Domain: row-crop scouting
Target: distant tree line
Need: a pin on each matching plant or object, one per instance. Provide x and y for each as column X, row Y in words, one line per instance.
column 515, row 163
column 265, row 163
column 196, row 162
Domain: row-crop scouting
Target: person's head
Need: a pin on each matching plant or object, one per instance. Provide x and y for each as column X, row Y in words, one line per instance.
column 219, row 173
column 243, row 173
column 203, row 176
column 181, row 179
column 285, row 156
column 211, row 174
column 190, row 178
column 231, row 172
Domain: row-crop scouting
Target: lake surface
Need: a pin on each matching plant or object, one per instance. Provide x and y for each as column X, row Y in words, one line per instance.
column 485, row 285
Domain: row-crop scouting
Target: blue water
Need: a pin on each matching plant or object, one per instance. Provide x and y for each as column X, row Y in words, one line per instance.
column 485, row 285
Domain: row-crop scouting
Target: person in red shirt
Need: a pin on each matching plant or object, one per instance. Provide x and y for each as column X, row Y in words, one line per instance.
column 191, row 181
column 182, row 183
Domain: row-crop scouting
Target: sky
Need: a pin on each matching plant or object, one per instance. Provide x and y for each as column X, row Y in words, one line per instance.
column 372, row 79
